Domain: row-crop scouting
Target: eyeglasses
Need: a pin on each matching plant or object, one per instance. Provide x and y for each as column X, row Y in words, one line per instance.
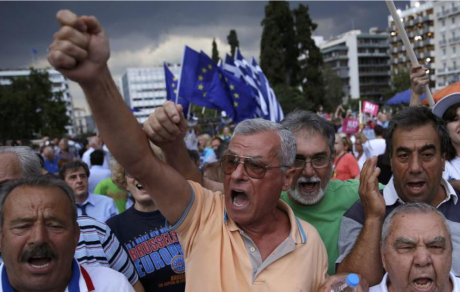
column 318, row 162
column 254, row 169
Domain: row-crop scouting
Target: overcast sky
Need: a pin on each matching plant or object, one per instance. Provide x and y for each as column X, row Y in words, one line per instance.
column 145, row 34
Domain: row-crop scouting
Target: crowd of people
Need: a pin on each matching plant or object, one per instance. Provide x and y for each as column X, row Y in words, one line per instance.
column 295, row 206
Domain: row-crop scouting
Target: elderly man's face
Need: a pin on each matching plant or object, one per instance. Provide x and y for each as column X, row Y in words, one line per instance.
column 309, row 184
column 9, row 167
column 252, row 200
column 417, row 165
column 38, row 238
column 418, row 254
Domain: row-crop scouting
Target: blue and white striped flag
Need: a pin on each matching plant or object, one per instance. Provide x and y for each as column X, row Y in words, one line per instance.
column 269, row 107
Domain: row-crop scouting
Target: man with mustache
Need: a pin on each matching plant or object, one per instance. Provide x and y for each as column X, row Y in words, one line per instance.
column 416, row 251
column 38, row 237
column 312, row 195
column 417, row 142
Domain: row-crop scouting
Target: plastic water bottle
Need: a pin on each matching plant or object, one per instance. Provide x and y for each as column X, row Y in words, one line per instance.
column 348, row 286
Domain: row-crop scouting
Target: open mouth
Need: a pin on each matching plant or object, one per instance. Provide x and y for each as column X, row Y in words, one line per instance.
column 239, row 199
column 39, row 262
column 308, row 185
column 422, row 284
column 139, row 187
column 416, row 186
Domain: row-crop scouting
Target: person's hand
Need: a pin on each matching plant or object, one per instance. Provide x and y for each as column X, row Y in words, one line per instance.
column 166, row 124
column 418, row 79
column 341, row 278
column 80, row 49
column 373, row 202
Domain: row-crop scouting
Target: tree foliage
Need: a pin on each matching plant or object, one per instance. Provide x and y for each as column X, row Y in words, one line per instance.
column 232, row 39
column 399, row 82
column 29, row 109
column 278, row 49
column 333, row 90
column 215, row 52
column 310, row 58
column 291, row 98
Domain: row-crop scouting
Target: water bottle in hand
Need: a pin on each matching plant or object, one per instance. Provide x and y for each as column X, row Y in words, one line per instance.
column 348, row 286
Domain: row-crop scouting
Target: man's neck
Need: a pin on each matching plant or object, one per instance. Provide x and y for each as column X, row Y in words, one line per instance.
column 82, row 198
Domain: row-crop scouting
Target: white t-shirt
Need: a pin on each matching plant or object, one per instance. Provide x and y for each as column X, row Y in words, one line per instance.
column 374, row 147
column 382, row 287
column 452, row 170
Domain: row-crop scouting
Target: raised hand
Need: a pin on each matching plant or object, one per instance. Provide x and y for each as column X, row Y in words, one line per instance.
column 373, row 202
column 80, row 49
column 166, row 124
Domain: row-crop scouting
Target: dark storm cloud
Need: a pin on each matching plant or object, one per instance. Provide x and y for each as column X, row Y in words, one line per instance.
column 27, row 25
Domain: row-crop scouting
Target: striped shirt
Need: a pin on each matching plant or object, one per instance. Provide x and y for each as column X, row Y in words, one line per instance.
column 98, row 246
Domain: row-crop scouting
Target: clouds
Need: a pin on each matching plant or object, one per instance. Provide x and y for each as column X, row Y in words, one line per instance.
column 148, row 33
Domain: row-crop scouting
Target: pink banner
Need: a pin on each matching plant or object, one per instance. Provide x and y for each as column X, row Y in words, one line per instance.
column 350, row 126
column 370, row 108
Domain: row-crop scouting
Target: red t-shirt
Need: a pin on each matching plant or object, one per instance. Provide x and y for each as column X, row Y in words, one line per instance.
column 347, row 167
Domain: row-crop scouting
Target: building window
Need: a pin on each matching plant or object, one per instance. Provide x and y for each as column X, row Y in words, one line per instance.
column 443, row 52
column 443, row 22
column 453, row 20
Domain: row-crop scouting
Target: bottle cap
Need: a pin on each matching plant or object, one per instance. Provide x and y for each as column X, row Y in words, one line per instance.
column 352, row 280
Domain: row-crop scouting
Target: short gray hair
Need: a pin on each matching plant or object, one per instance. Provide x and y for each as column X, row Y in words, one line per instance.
column 311, row 123
column 28, row 159
column 288, row 145
column 38, row 181
column 411, row 208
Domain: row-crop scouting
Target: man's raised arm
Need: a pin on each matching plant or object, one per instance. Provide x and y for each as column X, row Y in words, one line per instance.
column 80, row 51
column 163, row 128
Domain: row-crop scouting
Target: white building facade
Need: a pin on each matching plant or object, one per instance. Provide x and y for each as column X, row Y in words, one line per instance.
column 59, row 84
column 144, row 89
column 362, row 62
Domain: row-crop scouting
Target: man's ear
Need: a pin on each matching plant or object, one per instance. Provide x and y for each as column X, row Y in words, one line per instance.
column 288, row 177
column 382, row 253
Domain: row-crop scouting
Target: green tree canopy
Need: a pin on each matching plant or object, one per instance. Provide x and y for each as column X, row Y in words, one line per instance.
column 310, row 59
column 333, row 95
column 232, row 39
column 29, row 109
column 215, row 52
column 399, row 82
column 278, row 49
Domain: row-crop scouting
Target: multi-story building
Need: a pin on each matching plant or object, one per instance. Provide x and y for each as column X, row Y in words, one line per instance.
column 420, row 24
column 60, row 84
column 144, row 89
column 447, row 39
column 362, row 62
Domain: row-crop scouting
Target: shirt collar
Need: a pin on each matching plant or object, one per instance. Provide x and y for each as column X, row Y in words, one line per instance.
column 74, row 285
column 89, row 200
column 391, row 197
column 297, row 232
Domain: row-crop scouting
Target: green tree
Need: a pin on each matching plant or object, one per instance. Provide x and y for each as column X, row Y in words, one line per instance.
column 28, row 108
column 232, row 39
column 333, row 90
column 310, row 59
column 215, row 52
column 291, row 98
column 278, row 49
column 399, row 82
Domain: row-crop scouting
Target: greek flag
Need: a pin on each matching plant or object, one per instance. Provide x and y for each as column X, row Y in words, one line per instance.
column 268, row 106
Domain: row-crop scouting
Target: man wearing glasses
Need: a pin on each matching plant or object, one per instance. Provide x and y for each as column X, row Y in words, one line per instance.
column 243, row 240
column 312, row 195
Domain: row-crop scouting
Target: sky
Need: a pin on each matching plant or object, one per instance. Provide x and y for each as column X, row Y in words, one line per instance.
column 144, row 34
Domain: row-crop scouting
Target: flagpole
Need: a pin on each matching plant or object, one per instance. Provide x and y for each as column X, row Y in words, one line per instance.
column 410, row 51
column 180, row 78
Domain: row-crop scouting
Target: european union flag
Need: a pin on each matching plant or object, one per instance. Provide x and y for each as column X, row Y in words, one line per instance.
column 243, row 96
column 192, row 82
column 171, row 89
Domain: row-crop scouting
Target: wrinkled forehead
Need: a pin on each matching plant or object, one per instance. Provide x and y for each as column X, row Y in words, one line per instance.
column 419, row 227
column 310, row 143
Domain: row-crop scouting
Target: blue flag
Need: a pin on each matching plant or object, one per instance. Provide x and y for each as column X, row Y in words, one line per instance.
column 194, row 77
column 243, row 96
column 171, row 89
